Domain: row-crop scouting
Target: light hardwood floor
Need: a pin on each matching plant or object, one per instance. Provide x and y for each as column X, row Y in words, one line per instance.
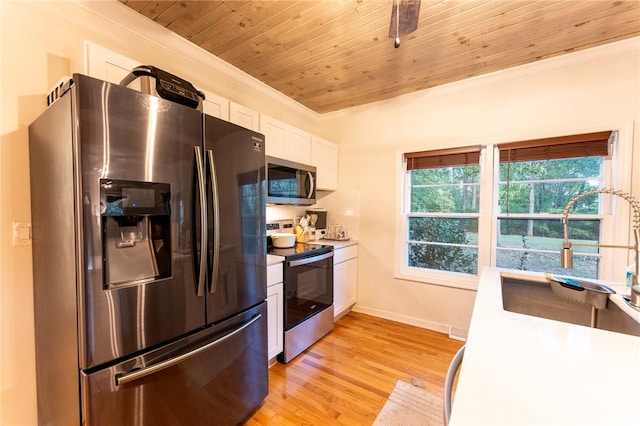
column 346, row 377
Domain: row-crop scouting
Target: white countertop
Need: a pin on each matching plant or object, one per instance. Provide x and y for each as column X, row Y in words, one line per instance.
column 337, row 244
column 524, row 370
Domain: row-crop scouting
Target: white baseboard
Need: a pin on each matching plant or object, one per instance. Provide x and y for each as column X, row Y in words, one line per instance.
column 405, row 319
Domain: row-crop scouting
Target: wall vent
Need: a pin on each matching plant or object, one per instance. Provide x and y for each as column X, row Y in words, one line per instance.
column 458, row 333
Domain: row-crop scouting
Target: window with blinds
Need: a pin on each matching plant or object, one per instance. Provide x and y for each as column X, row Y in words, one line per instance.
column 526, row 185
column 442, row 201
column 537, row 179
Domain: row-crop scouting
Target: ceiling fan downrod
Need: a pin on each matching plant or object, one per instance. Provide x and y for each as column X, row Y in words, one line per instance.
column 396, row 42
column 410, row 10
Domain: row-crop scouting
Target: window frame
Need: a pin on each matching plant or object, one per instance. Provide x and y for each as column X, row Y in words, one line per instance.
column 445, row 278
column 618, row 171
column 604, row 216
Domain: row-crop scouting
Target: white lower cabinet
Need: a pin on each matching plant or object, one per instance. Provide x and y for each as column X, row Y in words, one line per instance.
column 345, row 278
column 275, row 312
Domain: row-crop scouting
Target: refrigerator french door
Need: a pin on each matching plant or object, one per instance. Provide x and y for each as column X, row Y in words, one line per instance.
column 136, row 154
column 132, row 263
column 234, row 163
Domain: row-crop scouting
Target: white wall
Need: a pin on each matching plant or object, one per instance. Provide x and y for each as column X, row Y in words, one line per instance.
column 586, row 91
column 39, row 39
column 42, row 41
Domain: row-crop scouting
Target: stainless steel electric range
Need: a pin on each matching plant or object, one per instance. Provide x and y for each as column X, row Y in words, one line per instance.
column 308, row 293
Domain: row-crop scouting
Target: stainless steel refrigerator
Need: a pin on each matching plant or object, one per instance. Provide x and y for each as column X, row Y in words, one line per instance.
column 149, row 262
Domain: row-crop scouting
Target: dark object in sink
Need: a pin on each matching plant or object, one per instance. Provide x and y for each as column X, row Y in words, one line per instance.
column 596, row 295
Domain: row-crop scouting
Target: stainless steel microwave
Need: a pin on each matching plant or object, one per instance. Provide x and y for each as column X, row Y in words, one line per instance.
column 290, row 183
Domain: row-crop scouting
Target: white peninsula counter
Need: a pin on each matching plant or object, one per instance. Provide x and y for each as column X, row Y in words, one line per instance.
column 524, row 370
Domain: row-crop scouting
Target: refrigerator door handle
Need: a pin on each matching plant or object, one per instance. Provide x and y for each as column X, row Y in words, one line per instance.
column 203, row 221
column 155, row 368
column 216, row 221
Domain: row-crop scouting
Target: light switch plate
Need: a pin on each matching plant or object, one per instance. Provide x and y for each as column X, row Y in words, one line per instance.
column 21, row 233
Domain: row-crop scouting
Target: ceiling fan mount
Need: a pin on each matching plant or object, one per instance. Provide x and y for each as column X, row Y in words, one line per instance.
column 404, row 19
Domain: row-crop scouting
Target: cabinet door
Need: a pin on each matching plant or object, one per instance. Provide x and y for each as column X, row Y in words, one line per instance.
column 339, row 277
column 298, row 145
column 274, row 132
column 215, row 106
column 350, row 282
column 107, row 65
column 324, row 155
column 275, row 330
column 243, row 116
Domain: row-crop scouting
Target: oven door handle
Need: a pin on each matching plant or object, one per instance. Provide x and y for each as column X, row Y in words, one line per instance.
column 308, row 260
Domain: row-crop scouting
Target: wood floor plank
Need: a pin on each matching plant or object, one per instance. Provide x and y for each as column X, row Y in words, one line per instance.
column 346, row 377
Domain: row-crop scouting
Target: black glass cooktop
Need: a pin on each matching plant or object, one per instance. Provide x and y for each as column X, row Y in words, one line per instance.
column 300, row 250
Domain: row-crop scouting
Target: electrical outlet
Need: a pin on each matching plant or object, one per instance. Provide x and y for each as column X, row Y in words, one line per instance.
column 21, row 233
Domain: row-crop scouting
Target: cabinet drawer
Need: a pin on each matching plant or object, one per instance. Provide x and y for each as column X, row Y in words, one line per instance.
column 274, row 274
column 345, row 253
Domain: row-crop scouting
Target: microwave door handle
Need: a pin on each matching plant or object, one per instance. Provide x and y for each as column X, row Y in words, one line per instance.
column 311, row 185
column 216, row 221
column 203, row 221
column 155, row 368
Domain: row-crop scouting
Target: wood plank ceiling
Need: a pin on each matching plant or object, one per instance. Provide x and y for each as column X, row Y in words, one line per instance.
column 331, row 55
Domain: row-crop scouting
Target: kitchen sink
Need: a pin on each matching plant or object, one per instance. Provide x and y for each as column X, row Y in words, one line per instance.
column 536, row 298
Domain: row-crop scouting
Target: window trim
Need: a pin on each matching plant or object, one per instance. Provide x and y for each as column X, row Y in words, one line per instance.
column 442, row 278
column 606, row 214
column 621, row 162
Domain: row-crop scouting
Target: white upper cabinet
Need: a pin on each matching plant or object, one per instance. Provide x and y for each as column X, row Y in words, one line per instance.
column 113, row 67
column 282, row 140
column 324, row 155
column 215, row 106
column 107, row 65
column 243, row 116
column 298, row 145
column 274, row 132
column 285, row 141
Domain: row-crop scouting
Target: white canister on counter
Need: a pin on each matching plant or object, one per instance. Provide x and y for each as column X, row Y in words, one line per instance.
column 311, row 234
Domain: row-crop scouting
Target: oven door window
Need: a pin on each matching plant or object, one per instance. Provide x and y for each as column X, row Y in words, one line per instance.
column 309, row 290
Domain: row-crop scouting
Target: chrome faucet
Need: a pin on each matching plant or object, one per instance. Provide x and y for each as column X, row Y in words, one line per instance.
column 566, row 254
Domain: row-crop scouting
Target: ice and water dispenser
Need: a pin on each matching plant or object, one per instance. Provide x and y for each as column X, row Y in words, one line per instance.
column 136, row 231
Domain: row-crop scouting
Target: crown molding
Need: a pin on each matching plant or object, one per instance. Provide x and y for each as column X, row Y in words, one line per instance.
column 120, row 15
column 568, row 61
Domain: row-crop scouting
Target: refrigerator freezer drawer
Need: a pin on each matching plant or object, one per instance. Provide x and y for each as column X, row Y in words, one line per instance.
column 216, row 376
